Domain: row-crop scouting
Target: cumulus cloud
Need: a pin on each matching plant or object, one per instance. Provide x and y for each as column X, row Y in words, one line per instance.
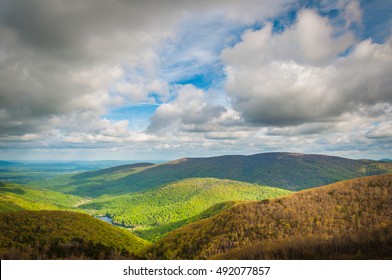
column 302, row 75
column 353, row 13
column 189, row 111
column 382, row 130
column 138, row 89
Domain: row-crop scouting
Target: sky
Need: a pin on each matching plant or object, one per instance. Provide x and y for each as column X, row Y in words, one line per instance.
column 164, row 79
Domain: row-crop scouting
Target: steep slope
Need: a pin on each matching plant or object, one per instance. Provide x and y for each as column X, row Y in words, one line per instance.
column 19, row 197
column 284, row 170
column 63, row 235
column 158, row 211
column 374, row 243
column 353, row 214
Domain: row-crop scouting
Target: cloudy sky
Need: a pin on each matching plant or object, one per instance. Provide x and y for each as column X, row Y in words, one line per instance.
column 163, row 79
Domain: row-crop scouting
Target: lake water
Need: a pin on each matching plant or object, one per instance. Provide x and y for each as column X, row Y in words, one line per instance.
column 110, row 221
column 105, row 219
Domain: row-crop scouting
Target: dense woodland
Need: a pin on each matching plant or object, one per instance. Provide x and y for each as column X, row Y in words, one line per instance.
column 375, row 243
column 329, row 214
column 176, row 204
column 18, row 197
column 63, row 235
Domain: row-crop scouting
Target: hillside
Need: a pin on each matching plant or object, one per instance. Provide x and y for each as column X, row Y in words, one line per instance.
column 93, row 183
column 18, row 197
column 112, row 171
column 350, row 219
column 63, row 235
column 284, row 170
column 153, row 213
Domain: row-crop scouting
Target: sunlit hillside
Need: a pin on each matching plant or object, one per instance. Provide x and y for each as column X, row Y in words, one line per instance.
column 19, row 197
column 63, row 235
column 156, row 212
column 350, row 219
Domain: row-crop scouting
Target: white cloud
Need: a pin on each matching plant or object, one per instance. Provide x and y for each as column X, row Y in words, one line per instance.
column 298, row 76
column 353, row 13
column 138, row 89
column 382, row 130
column 310, row 41
column 190, row 109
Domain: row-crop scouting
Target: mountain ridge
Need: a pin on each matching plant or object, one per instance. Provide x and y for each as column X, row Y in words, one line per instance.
column 291, row 171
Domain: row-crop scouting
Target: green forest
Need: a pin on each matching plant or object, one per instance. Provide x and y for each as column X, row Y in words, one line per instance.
column 20, row 197
column 162, row 211
column 63, row 235
column 176, row 202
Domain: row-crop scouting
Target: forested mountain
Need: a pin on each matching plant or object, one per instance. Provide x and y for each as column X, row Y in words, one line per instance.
column 155, row 212
column 345, row 220
column 284, row 170
column 18, row 197
column 63, row 235
column 197, row 208
column 112, row 171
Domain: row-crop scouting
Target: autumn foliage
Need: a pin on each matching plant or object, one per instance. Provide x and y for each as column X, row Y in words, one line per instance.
column 345, row 220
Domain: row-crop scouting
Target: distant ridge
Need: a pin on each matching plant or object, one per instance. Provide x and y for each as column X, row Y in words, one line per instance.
column 290, row 171
column 113, row 170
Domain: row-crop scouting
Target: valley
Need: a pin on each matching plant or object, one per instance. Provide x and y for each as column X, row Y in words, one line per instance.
column 176, row 204
column 264, row 206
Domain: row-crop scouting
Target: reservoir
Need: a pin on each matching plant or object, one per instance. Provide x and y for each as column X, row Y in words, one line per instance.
column 105, row 219
column 110, row 221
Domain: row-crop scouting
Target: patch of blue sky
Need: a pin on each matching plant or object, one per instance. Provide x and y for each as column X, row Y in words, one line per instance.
column 137, row 114
column 346, row 52
column 200, row 80
column 284, row 21
column 193, row 57
column 288, row 17
column 376, row 20
column 205, row 77
column 156, row 96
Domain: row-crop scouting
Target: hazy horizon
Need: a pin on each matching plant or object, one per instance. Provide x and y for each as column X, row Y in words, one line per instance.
column 156, row 161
